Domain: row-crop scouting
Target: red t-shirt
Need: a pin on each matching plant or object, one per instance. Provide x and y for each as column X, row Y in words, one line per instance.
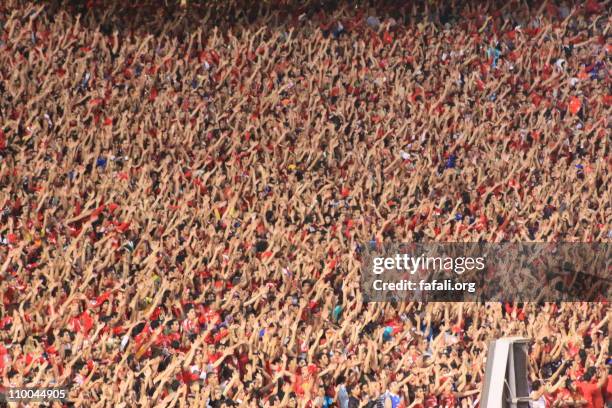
column 575, row 374
column 190, row 326
column 83, row 323
column 559, row 396
column 448, row 401
column 591, row 393
column 3, row 352
column 297, row 384
column 209, row 316
column 431, row 401
column 212, row 358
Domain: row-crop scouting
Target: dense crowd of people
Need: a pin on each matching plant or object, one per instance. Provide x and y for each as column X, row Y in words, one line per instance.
column 185, row 193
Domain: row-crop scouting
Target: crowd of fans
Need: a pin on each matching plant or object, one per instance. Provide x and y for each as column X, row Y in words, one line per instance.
column 185, row 194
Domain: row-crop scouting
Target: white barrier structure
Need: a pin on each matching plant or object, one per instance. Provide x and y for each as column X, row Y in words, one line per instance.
column 506, row 382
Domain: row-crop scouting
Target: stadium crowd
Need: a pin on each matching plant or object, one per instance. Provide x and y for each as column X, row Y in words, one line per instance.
column 185, row 194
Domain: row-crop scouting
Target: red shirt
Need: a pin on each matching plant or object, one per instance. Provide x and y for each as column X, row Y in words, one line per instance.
column 86, row 322
column 297, row 384
column 212, row 358
column 592, row 394
column 190, row 326
column 209, row 316
column 431, row 401
column 3, row 353
column 563, row 395
column 448, row 401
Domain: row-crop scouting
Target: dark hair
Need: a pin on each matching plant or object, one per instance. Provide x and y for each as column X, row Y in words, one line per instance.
column 138, row 329
column 64, row 331
column 137, row 385
column 307, row 282
column 164, row 364
column 226, row 372
column 80, row 364
column 589, row 374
